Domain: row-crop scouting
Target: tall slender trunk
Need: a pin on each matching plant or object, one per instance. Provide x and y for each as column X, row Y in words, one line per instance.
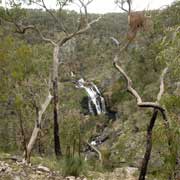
column 31, row 143
column 57, row 146
column 147, row 154
column 37, row 128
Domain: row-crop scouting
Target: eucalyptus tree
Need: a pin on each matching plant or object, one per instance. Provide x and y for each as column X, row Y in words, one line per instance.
column 14, row 15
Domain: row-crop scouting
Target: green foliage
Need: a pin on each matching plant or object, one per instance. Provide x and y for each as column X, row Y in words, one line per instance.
column 70, row 132
column 107, row 163
column 15, row 58
column 14, row 14
column 169, row 153
column 19, row 68
column 50, row 162
column 25, row 65
column 74, row 166
column 172, row 102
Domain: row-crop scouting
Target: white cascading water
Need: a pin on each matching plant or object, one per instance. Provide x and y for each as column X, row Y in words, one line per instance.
column 94, row 96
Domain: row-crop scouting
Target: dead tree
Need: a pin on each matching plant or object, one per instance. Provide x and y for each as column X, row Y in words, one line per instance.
column 40, row 109
column 137, row 20
column 57, row 44
column 37, row 126
column 157, row 108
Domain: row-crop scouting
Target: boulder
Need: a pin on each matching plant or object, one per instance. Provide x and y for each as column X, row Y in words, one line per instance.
column 43, row 168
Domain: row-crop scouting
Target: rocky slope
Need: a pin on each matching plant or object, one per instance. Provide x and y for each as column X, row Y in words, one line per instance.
column 18, row 171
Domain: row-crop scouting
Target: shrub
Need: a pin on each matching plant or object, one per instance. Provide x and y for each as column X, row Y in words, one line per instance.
column 74, row 166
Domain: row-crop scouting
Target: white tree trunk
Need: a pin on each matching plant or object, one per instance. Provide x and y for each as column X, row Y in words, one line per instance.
column 37, row 127
column 57, row 146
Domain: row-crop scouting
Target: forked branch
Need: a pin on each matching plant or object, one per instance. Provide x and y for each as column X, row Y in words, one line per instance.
column 140, row 103
column 20, row 28
column 84, row 5
column 79, row 32
column 43, row 5
column 120, row 4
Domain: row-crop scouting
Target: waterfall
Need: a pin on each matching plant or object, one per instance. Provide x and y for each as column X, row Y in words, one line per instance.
column 95, row 99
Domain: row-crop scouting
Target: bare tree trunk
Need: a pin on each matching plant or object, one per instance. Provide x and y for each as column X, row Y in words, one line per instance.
column 31, row 143
column 37, row 127
column 57, row 146
column 148, row 146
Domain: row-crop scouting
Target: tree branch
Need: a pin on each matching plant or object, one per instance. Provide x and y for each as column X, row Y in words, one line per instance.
column 44, row 106
column 49, row 11
column 22, row 29
column 81, row 31
column 44, row 38
column 130, row 89
column 161, row 89
column 96, row 150
column 43, row 5
column 84, row 5
column 120, row 4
